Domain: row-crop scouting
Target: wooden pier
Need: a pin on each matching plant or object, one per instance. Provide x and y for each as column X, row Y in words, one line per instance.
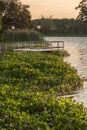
column 44, row 46
column 56, row 44
column 50, row 46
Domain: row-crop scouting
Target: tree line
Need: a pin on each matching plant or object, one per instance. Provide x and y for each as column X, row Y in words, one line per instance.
column 65, row 26
column 14, row 13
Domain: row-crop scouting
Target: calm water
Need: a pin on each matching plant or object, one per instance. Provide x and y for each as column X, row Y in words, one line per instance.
column 77, row 48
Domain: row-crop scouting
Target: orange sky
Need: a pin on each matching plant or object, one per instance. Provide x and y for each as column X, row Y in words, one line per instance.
column 54, row 8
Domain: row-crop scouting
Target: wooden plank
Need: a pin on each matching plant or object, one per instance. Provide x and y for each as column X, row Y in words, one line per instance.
column 50, row 47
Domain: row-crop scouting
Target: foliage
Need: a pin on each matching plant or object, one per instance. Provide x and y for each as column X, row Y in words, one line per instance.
column 62, row 53
column 22, row 35
column 25, row 110
column 29, row 87
column 39, row 71
column 83, row 11
column 15, row 14
column 46, row 24
column 61, row 27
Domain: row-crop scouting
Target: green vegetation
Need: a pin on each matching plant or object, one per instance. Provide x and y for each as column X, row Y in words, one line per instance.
column 38, row 70
column 61, row 27
column 30, row 85
column 14, row 13
column 21, row 109
column 21, row 36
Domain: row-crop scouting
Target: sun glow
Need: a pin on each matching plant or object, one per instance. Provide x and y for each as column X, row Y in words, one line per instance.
column 54, row 8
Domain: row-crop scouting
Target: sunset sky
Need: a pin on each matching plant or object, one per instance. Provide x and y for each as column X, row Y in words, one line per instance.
column 54, row 8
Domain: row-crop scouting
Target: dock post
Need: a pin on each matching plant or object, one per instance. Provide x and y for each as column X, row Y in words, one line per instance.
column 63, row 45
column 58, row 45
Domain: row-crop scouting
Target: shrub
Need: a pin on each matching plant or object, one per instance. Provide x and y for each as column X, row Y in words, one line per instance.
column 29, row 87
column 40, row 71
column 21, row 109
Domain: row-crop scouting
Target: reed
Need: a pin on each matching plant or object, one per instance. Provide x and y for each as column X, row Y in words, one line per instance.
column 22, row 35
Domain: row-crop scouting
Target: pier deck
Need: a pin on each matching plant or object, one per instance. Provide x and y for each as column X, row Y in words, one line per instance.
column 51, row 46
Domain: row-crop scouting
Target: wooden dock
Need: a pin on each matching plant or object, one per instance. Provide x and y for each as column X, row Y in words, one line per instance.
column 35, row 50
column 56, row 44
column 51, row 46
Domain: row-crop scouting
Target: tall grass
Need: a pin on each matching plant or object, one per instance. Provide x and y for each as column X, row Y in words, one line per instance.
column 22, row 35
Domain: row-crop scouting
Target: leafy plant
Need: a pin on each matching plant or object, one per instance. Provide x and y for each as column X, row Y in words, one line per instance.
column 25, row 110
column 45, row 71
column 30, row 85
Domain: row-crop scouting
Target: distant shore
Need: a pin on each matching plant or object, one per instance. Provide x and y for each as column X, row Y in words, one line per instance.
column 65, row 35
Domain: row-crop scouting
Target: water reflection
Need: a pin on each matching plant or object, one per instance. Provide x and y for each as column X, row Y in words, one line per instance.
column 77, row 47
column 78, row 58
column 81, row 96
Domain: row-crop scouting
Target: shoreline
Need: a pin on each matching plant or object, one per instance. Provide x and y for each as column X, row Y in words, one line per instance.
column 58, row 35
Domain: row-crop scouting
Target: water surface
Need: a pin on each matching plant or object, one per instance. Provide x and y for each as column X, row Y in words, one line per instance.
column 77, row 48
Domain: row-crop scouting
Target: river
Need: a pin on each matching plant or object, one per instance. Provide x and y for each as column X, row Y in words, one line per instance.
column 77, row 48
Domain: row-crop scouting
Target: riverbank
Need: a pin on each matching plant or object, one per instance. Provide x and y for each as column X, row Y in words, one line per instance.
column 64, row 35
column 47, row 71
column 29, row 94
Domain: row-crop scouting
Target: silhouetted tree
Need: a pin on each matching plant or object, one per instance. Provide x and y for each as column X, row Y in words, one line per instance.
column 83, row 11
column 15, row 14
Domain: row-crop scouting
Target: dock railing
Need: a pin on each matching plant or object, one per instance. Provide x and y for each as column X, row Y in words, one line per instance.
column 56, row 44
column 50, row 45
